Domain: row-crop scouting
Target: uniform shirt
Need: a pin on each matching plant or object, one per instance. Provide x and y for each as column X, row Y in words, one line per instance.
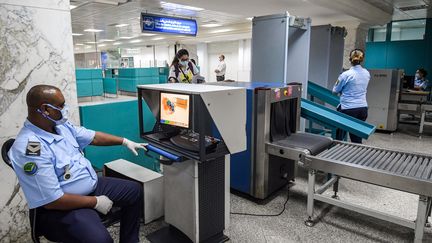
column 422, row 84
column 181, row 77
column 352, row 85
column 45, row 183
column 222, row 68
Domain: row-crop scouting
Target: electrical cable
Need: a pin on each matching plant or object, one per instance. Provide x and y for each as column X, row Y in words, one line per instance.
column 266, row 215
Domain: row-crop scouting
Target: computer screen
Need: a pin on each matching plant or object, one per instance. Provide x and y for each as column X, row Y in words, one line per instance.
column 174, row 109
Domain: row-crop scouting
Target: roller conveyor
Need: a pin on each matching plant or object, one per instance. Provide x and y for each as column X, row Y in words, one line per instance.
column 403, row 171
column 403, row 166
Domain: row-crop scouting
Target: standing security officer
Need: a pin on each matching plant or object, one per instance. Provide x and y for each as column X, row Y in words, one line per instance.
column 352, row 87
column 60, row 183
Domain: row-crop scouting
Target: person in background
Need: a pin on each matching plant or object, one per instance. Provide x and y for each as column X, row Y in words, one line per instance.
column 352, row 87
column 221, row 69
column 60, row 184
column 182, row 70
column 420, row 81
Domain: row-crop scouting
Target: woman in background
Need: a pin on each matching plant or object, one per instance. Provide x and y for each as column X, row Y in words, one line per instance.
column 182, row 70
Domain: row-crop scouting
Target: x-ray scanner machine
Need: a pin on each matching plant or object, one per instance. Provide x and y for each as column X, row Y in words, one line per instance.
column 197, row 128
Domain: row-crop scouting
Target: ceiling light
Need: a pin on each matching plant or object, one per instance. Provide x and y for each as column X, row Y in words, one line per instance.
column 158, row 38
column 101, row 45
column 121, row 25
column 221, row 31
column 211, row 25
column 116, row 43
column 72, row 7
column 79, row 44
column 92, row 30
column 106, row 40
column 135, row 41
column 126, row 37
column 179, row 6
column 148, row 34
column 76, row 34
column 91, row 42
column 250, row 18
column 87, row 47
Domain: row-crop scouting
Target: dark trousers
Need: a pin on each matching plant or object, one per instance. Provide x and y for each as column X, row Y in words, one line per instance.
column 220, row 78
column 84, row 225
column 360, row 113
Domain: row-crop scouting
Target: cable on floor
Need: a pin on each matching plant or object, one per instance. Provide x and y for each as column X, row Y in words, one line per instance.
column 266, row 215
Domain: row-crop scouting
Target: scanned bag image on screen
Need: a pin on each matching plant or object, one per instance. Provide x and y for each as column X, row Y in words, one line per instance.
column 174, row 109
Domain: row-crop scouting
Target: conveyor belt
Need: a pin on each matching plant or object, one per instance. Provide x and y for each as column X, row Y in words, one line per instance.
column 406, row 164
column 404, row 171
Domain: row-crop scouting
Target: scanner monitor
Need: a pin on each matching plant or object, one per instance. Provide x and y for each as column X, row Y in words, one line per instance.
column 174, row 109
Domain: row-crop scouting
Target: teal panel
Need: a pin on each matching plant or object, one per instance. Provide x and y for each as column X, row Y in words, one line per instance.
column 376, row 55
column 108, row 73
column 323, row 94
column 120, row 119
column 163, row 79
column 83, row 73
column 163, row 70
column 148, row 80
column 408, row 55
column 110, row 85
column 331, row 118
column 84, row 88
column 138, row 72
column 96, row 73
column 127, row 84
column 97, row 85
column 145, row 72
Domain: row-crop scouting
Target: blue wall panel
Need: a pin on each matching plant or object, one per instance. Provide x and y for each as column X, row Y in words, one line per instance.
column 120, row 119
column 408, row 55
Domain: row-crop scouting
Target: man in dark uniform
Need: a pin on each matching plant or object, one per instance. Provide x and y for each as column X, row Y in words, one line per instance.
column 60, row 183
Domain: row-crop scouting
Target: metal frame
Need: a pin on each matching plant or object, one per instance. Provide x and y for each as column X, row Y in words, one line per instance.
column 263, row 98
column 425, row 108
column 332, row 161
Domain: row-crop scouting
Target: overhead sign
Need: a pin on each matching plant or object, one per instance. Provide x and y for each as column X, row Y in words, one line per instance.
column 169, row 25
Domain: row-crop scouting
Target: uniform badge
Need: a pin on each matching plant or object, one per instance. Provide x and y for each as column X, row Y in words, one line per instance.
column 33, row 148
column 30, row 168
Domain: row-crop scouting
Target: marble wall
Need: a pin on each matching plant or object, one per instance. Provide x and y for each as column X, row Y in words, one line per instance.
column 35, row 48
column 356, row 38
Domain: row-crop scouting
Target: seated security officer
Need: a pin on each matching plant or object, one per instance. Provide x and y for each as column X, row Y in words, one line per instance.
column 60, row 182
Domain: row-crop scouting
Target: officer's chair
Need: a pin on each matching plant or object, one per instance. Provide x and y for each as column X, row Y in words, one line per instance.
column 111, row 218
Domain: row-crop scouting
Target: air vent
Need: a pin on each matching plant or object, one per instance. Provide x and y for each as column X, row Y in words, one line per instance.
column 410, row 8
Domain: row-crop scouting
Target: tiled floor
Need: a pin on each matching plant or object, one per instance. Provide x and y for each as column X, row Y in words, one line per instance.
column 335, row 224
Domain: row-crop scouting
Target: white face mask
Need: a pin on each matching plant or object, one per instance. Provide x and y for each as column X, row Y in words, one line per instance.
column 184, row 63
column 64, row 112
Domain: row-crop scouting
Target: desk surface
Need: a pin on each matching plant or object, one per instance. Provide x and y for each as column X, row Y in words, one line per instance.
column 414, row 92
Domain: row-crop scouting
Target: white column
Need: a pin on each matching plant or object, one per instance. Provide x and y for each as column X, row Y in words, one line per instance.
column 203, row 60
column 36, row 49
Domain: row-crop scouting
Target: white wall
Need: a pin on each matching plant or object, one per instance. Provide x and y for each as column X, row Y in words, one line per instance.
column 144, row 56
column 237, row 59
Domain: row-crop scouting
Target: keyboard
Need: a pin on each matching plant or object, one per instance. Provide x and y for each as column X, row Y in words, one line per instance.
column 190, row 141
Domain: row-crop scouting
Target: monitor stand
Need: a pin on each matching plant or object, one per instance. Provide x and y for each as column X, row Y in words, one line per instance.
column 195, row 204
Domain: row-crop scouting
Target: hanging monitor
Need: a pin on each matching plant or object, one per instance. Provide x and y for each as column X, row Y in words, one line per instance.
column 174, row 109
column 168, row 25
